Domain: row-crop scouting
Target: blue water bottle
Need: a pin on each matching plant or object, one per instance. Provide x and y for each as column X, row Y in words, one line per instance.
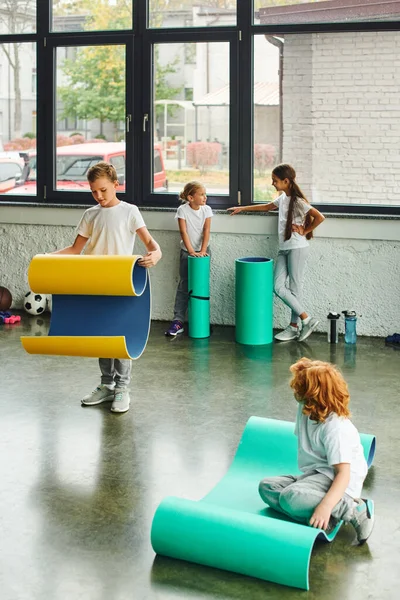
column 350, row 322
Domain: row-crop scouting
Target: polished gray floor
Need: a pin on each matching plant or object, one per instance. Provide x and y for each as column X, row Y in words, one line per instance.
column 79, row 486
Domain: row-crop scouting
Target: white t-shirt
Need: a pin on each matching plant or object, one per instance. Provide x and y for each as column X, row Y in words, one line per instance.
column 322, row 445
column 110, row 230
column 195, row 220
column 299, row 213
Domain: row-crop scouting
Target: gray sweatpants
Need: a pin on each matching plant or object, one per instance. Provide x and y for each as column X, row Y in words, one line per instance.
column 182, row 296
column 115, row 370
column 298, row 496
column 288, row 279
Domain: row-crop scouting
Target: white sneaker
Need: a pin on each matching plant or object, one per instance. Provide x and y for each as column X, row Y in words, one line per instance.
column 290, row 333
column 121, row 400
column 101, row 394
column 307, row 329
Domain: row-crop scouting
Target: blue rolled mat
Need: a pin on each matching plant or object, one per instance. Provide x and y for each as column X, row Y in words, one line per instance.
column 199, row 296
column 231, row 528
column 254, row 285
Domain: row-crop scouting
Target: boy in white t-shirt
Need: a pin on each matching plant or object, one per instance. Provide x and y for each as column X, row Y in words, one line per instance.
column 194, row 219
column 111, row 228
column 330, row 455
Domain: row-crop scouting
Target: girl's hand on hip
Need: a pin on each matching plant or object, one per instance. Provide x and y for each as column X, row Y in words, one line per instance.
column 298, row 229
column 235, row 210
column 150, row 259
column 320, row 517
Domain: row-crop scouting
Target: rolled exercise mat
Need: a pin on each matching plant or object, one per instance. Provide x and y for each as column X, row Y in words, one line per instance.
column 231, row 528
column 254, row 300
column 199, row 296
column 101, row 305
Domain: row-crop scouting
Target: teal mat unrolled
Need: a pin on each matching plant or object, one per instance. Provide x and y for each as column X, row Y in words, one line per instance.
column 231, row 528
column 254, row 286
column 199, row 296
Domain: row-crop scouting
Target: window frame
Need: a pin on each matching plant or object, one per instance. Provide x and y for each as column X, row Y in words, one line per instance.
column 168, row 199
column 139, row 42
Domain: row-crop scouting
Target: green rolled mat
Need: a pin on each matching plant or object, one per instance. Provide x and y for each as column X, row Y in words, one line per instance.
column 199, row 296
column 254, row 300
column 231, row 528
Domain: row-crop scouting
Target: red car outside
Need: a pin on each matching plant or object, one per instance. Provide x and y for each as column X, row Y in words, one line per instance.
column 73, row 163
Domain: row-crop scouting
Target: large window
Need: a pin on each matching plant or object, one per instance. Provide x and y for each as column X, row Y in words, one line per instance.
column 191, row 13
column 90, row 96
column 192, row 134
column 216, row 90
column 17, row 116
column 328, row 103
column 17, row 16
column 86, row 15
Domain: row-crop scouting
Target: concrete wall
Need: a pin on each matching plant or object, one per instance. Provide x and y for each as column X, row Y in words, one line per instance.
column 353, row 264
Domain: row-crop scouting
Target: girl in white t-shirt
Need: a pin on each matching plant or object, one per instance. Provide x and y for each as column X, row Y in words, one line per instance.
column 330, row 456
column 194, row 219
column 297, row 220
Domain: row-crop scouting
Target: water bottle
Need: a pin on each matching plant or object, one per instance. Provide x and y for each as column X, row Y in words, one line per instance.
column 333, row 336
column 350, row 321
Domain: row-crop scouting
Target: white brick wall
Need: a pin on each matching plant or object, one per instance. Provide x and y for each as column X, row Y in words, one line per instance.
column 341, row 115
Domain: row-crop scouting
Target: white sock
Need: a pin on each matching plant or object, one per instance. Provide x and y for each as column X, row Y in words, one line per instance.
column 306, row 320
column 110, row 386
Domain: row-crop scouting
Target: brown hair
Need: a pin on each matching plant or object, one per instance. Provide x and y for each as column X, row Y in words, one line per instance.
column 102, row 169
column 287, row 172
column 321, row 387
column 189, row 190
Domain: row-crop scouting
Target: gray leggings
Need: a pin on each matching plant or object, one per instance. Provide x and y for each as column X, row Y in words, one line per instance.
column 288, row 278
column 298, row 496
column 115, row 370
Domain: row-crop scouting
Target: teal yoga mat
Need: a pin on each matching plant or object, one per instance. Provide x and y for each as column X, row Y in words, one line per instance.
column 231, row 528
column 254, row 296
column 199, row 296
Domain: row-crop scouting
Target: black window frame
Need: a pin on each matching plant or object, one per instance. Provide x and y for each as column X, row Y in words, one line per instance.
column 139, row 41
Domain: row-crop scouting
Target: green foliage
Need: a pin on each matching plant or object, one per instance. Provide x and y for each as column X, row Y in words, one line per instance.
column 96, row 84
column 96, row 76
column 29, row 135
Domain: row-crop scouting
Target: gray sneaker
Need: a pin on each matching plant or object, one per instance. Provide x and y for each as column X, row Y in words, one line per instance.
column 363, row 520
column 308, row 329
column 290, row 333
column 121, row 400
column 101, row 394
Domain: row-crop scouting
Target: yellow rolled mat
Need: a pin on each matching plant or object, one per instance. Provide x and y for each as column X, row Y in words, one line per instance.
column 83, row 275
column 101, row 305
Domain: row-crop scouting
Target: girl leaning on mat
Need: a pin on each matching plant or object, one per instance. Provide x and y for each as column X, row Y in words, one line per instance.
column 297, row 220
column 330, row 456
column 194, row 220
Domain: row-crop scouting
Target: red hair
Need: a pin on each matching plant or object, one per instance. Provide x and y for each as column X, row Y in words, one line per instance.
column 321, row 387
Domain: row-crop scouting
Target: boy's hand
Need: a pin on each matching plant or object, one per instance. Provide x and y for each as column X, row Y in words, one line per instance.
column 199, row 253
column 235, row 209
column 150, row 259
column 320, row 517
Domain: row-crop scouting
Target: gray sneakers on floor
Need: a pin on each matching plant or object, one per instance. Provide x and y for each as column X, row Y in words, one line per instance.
column 121, row 400
column 363, row 520
column 307, row 329
column 290, row 333
column 101, row 394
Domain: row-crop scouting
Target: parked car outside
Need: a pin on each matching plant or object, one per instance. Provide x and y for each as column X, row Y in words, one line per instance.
column 73, row 163
column 10, row 173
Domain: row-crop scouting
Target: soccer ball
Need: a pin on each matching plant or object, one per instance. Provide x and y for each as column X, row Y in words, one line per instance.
column 35, row 304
